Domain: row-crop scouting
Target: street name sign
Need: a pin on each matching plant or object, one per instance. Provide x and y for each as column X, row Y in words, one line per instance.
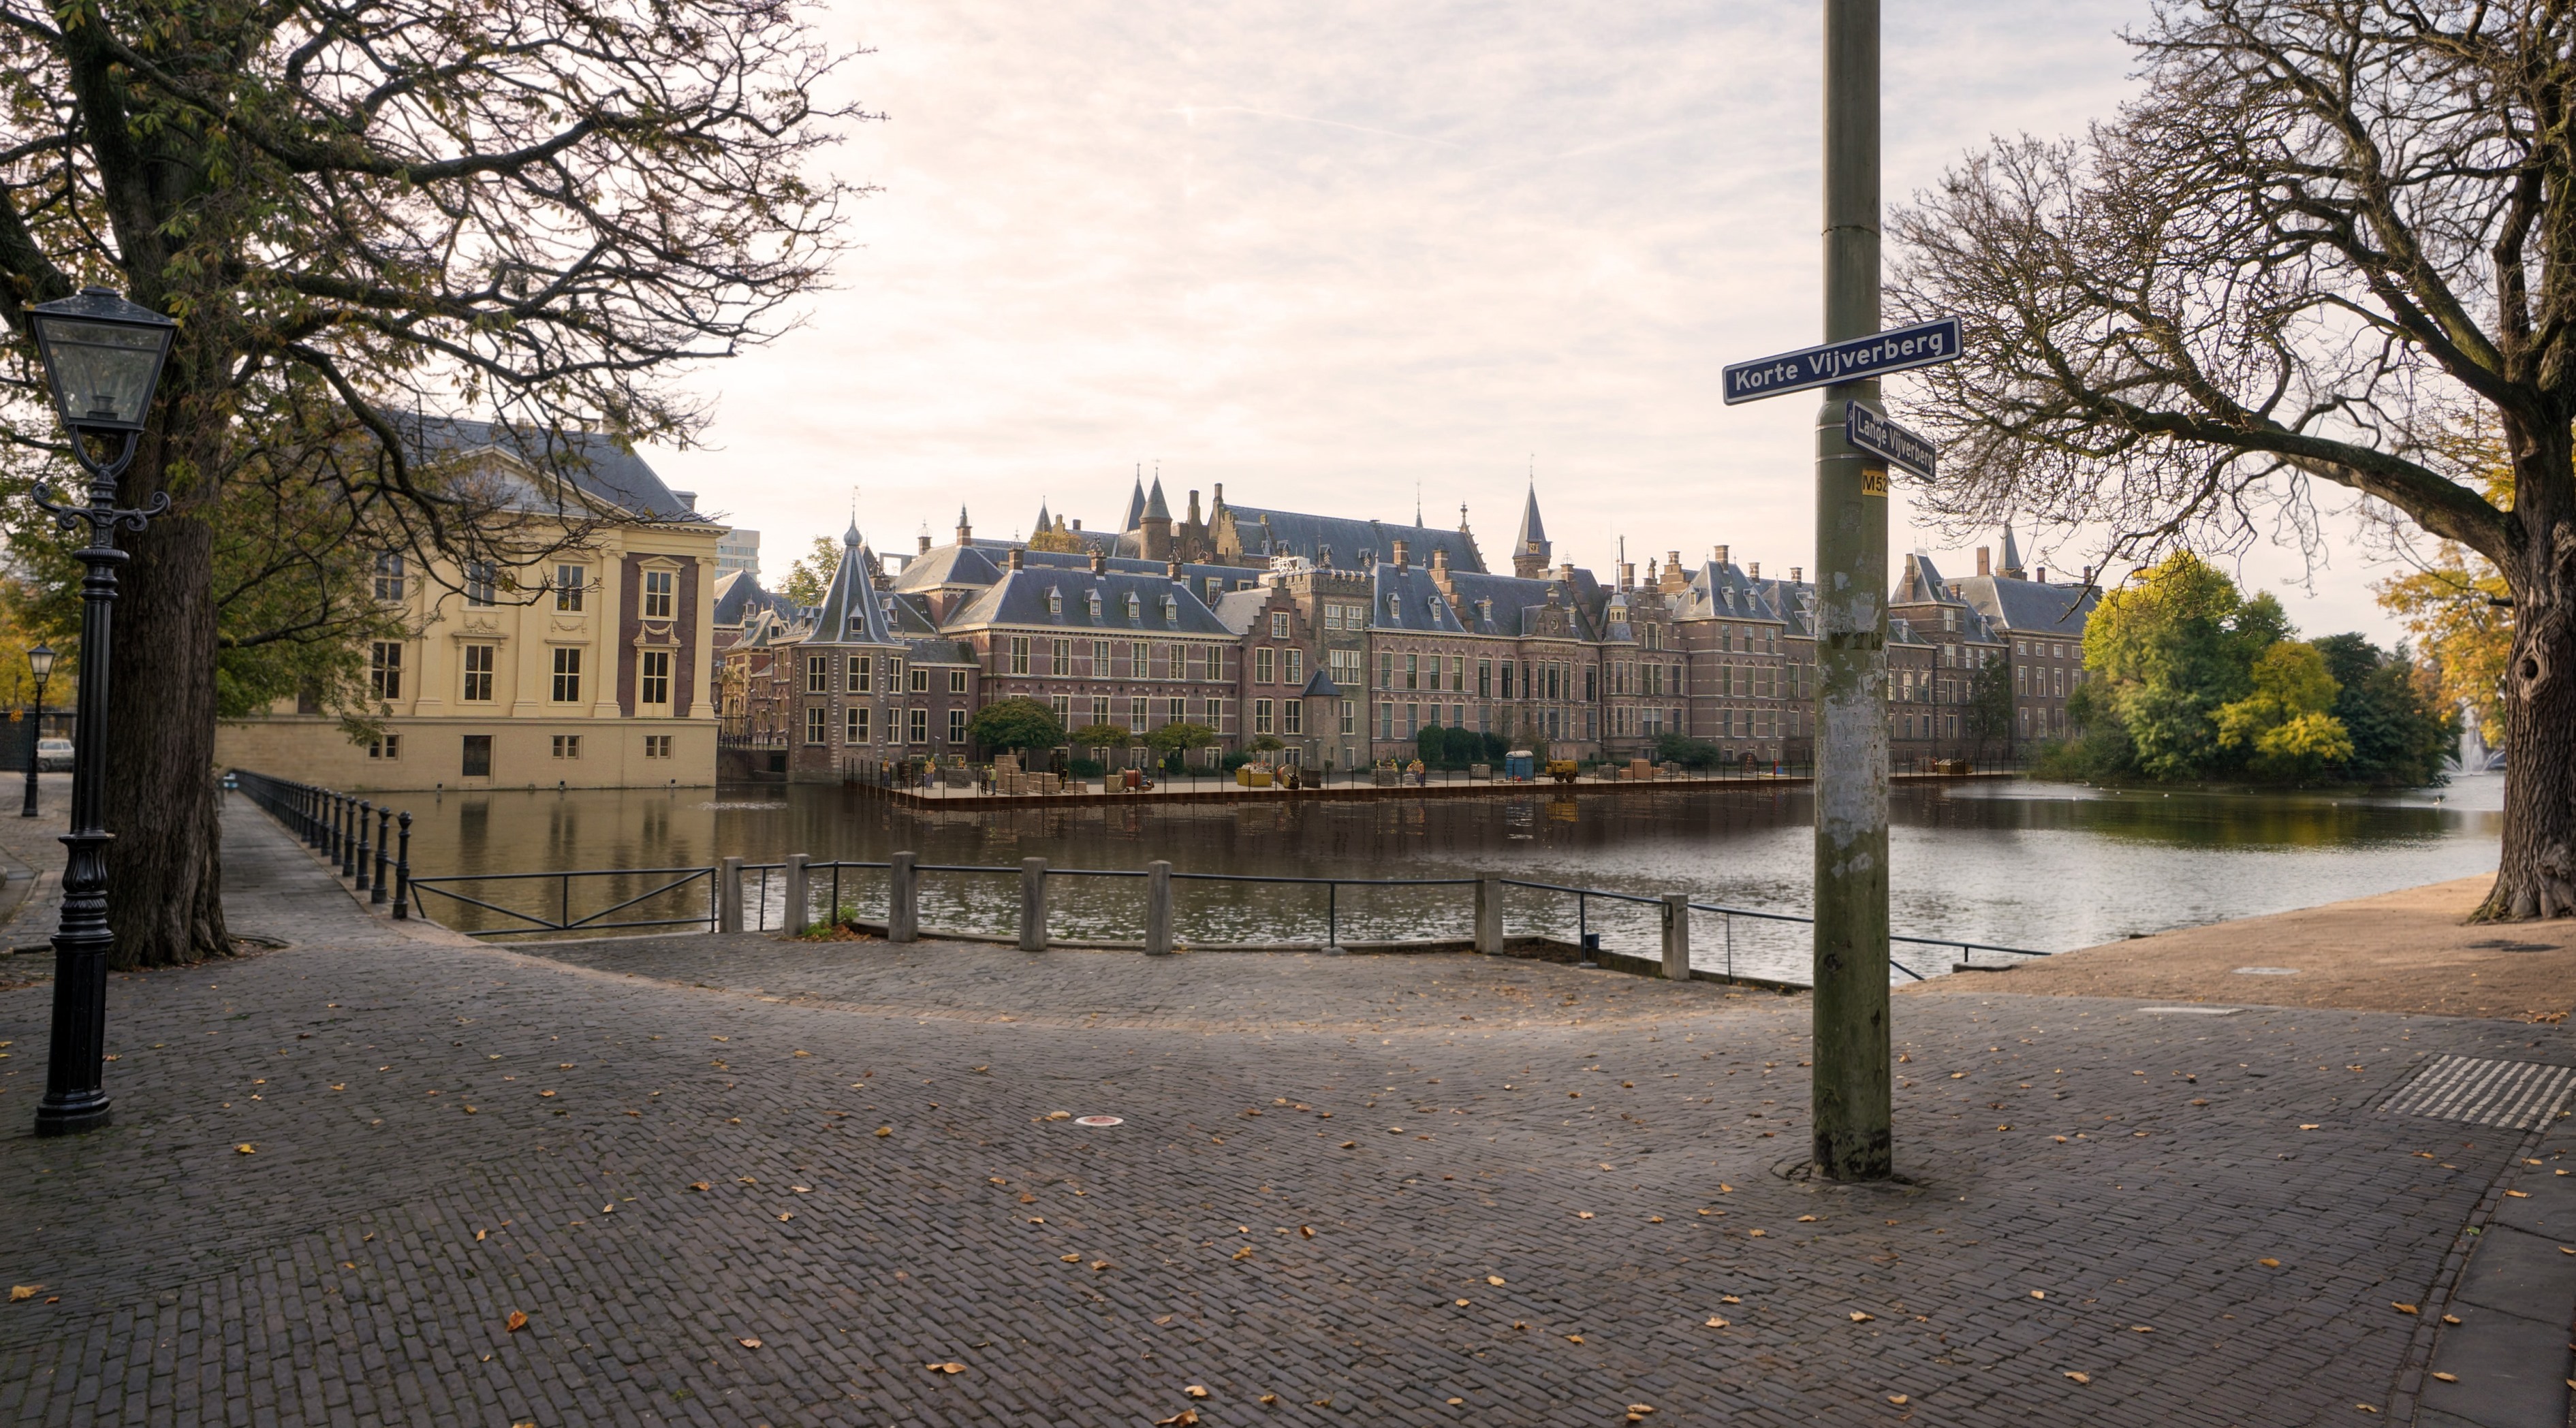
column 1923, row 345
column 1873, row 432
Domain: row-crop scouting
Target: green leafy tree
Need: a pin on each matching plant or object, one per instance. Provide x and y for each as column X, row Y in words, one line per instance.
column 2169, row 650
column 1100, row 736
column 2285, row 722
column 1179, row 736
column 2395, row 710
column 1989, row 715
column 809, row 579
column 1686, row 751
column 1019, row 723
column 356, row 213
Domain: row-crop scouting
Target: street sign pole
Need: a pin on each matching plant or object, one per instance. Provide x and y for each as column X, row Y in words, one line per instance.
column 1851, row 1091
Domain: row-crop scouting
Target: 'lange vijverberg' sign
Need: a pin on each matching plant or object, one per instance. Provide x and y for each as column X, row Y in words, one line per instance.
column 1923, row 345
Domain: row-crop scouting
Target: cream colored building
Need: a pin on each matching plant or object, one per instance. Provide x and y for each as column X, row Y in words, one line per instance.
column 588, row 668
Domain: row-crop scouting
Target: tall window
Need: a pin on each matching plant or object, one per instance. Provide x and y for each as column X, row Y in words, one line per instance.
column 1413, row 672
column 1278, row 624
column 1264, row 665
column 1296, row 662
column 1136, row 715
column 957, row 726
column 1139, row 660
column 816, row 717
column 384, row 669
column 1350, row 716
column 818, row 674
column 653, row 678
column 1059, row 657
column 1261, row 716
column 1215, row 717
column 478, row 672
column 658, row 585
column 567, row 676
column 482, row 581
column 858, row 674
column 1019, row 654
column 570, row 580
column 856, row 721
column 389, row 577
column 918, row 726
column 1292, row 716
column 478, row 756
column 956, row 681
column 920, row 681
column 1099, row 710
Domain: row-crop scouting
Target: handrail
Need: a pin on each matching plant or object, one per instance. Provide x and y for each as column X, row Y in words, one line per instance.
column 336, row 826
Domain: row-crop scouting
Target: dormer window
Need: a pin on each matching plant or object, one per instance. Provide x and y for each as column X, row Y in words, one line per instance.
column 1135, row 609
column 1394, row 608
column 1093, row 603
column 1171, row 611
column 1055, row 601
column 1435, row 607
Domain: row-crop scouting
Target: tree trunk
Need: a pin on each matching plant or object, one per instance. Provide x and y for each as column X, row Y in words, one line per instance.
column 2536, row 873
column 164, row 889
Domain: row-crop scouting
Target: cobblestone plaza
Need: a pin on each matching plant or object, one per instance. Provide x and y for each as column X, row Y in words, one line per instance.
column 740, row 1180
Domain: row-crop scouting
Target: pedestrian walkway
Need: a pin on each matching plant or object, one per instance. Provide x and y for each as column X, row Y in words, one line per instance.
column 749, row 1181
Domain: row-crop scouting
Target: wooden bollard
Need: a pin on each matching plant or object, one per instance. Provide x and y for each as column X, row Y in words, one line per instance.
column 1033, row 931
column 1158, row 909
column 903, row 898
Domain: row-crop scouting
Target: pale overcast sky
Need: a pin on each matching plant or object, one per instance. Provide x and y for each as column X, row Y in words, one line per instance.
column 1327, row 253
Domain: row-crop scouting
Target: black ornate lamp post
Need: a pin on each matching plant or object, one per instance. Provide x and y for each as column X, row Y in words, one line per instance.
column 102, row 357
column 40, row 660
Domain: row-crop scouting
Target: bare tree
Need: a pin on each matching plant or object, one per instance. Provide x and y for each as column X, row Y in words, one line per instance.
column 2327, row 231
column 361, row 209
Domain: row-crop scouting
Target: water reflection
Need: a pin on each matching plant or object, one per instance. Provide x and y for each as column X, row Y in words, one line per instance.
column 2046, row 866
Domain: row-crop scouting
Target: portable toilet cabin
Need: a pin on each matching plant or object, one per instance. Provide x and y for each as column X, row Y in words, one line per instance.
column 1519, row 766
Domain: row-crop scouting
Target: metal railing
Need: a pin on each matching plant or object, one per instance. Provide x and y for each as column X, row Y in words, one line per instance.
column 352, row 834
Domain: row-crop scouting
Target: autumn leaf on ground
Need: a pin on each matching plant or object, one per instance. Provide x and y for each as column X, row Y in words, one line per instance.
column 2448, row 1377
column 1183, row 1419
column 885, row 1130
column 700, row 1185
column 21, row 1293
column 1806, row 1219
column 1897, row 1398
column 2079, row 1377
column 245, row 1148
column 518, row 1320
column 479, row 1234
column 1583, row 1214
column 1196, row 1390
column 1858, row 1317
column 1243, row 1253
column 2269, row 1263
column 1495, row 1280
column 1715, row 1323
column 2039, row 1294
column 748, row 1343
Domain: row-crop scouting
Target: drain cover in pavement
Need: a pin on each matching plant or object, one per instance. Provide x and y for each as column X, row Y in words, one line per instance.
column 2513, row 1095
column 1098, row 1121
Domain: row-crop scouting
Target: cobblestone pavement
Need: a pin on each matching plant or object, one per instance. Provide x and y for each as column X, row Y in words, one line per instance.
column 828, row 1186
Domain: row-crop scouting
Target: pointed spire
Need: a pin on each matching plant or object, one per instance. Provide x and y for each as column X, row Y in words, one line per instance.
column 1045, row 522
column 1531, row 549
column 1155, row 509
column 2012, row 568
column 1135, row 517
column 850, row 537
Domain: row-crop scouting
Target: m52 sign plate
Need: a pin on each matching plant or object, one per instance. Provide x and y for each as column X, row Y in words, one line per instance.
column 1923, row 345
column 1872, row 432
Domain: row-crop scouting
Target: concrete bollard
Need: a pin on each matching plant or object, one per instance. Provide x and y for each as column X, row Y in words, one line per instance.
column 1158, row 909
column 729, row 895
column 1677, row 937
column 1033, row 931
column 1489, row 914
column 800, row 915
column 903, row 898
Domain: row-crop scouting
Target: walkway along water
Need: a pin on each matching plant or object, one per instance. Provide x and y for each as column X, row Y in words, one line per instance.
column 887, row 896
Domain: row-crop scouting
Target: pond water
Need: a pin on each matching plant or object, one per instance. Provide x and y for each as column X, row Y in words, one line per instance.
column 2011, row 863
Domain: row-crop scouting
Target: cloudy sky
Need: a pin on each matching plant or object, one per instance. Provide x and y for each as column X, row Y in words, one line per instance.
column 1332, row 253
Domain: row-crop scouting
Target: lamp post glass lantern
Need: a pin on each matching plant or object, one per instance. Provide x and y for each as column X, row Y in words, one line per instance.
column 102, row 357
column 40, row 662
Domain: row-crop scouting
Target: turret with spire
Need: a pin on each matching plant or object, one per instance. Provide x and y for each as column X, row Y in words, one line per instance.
column 1046, row 522
column 965, row 532
column 1156, row 523
column 1135, row 517
column 1531, row 548
column 2012, row 566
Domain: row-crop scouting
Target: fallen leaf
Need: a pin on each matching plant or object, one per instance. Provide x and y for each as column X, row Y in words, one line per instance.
column 1455, row 1402
column 2039, row 1294
column 748, row 1343
column 2309, row 1126
column 1346, row 1145
column 1102, row 1264
column 785, row 1215
column 700, row 1185
column 1182, row 1419
column 1574, row 1338
column 245, row 1148
column 2448, row 1377
column 2401, row 1308
column 2450, row 1318
column 1461, row 1303
column 1196, row 1391
column 1858, row 1317
column 1715, row 1323
column 2519, row 1194
column 1243, row 1253
column 1583, row 1214
column 1270, row 1398
column 1070, row 1258
column 479, row 1234
column 518, row 1320
column 1309, row 1232
column 21, row 1293
column 1495, row 1280
column 1806, row 1219
column 2269, row 1263
column 1641, row 1409
column 1897, row 1398
column 885, row 1130
column 2079, row 1377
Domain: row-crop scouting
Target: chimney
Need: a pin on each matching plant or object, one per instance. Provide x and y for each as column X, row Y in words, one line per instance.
column 925, row 544
column 1440, row 558
column 1797, row 574
column 965, row 532
column 1721, row 555
column 1754, row 570
column 1985, row 561
column 1219, row 496
column 1402, row 550
column 2088, row 575
column 1565, row 572
column 1672, row 558
column 1628, row 574
column 2043, row 575
column 1077, row 525
column 1172, row 569
column 1099, row 563
column 1194, row 508
column 1015, row 557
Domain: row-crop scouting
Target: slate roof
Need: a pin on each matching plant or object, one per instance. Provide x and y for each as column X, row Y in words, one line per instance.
column 739, row 597
column 2027, row 607
column 1135, row 516
column 1020, row 598
column 852, row 612
column 1237, row 610
column 1514, row 602
column 591, row 461
column 1266, row 532
column 1155, row 509
column 1320, row 686
column 1532, row 528
column 948, row 565
column 1406, row 599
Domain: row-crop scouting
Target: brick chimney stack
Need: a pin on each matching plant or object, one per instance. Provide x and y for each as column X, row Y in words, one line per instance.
column 1797, row 575
column 924, row 539
column 1016, row 553
column 1099, row 563
column 1985, row 561
column 1721, row 555
column 1402, row 552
